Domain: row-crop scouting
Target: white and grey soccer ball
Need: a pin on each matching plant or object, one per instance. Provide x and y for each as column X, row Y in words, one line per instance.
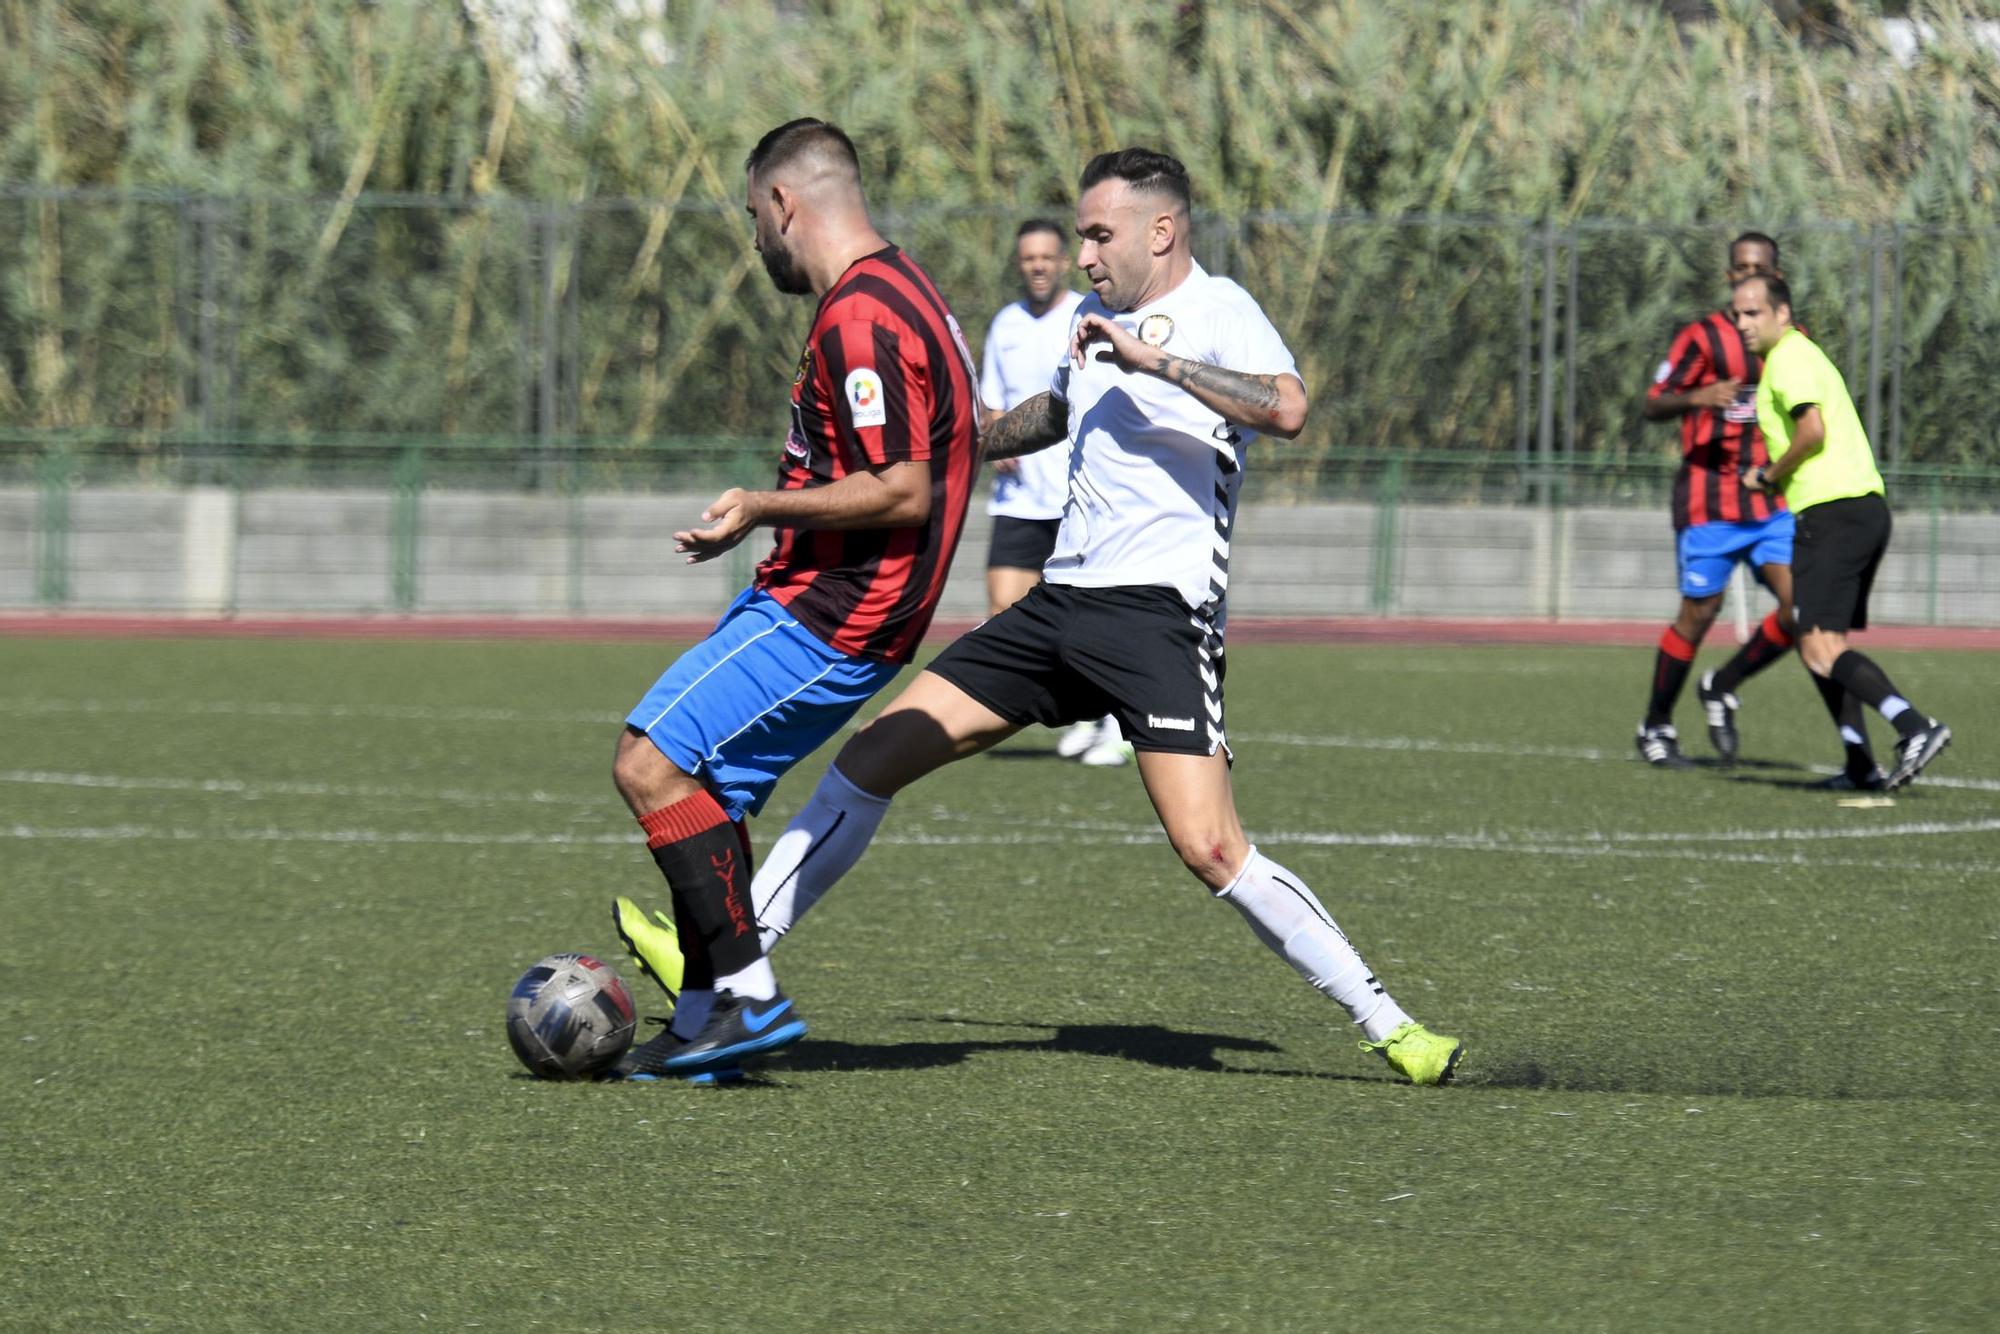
column 569, row 1017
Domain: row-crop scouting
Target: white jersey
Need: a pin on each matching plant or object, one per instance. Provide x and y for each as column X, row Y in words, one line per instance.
column 1156, row 471
column 1021, row 350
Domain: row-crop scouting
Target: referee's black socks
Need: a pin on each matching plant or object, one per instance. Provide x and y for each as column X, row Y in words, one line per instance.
column 1859, row 675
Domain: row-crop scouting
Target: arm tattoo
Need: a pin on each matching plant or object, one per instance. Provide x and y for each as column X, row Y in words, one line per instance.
column 1035, row 424
column 1256, row 394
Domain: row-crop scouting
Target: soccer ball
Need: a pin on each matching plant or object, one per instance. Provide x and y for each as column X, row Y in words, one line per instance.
column 569, row 1016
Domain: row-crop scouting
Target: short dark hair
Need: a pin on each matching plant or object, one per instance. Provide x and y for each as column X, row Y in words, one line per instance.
column 1775, row 287
column 1756, row 238
column 1033, row 225
column 1142, row 169
column 796, row 137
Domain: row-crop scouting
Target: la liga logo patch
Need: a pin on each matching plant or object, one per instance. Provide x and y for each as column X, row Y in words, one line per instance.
column 865, row 400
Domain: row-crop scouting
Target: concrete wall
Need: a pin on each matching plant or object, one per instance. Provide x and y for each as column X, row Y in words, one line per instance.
column 19, row 518
column 208, row 549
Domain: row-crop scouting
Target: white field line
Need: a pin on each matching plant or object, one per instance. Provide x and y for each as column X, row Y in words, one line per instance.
column 1647, row 846
column 428, row 713
column 443, row 714
column 242, row 787
column 1620, row 755
column 1542, row 837
column 1427, row 745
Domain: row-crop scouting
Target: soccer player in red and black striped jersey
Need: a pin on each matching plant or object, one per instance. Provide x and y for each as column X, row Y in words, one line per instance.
column 1709, row 381
column 870, row 501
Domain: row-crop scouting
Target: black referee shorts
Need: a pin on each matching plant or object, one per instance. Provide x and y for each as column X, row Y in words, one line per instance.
column 1835, row 555
column 1062, row 654
column 1021, row 544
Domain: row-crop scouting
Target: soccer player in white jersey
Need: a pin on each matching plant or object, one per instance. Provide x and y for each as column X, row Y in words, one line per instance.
column 1170, row 371
column 1023, row 344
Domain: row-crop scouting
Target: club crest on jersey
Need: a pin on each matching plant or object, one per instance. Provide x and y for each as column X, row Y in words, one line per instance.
column 805, row 367
column 864, row 397
column 1155, row 330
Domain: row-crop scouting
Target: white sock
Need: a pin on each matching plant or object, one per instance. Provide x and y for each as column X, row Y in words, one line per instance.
column 756, row 982
column 1894, row 707
column 1288, row 919
column 691, row 1012
column 819, row 846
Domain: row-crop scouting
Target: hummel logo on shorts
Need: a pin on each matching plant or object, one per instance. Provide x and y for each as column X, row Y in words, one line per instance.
column 1170, row 724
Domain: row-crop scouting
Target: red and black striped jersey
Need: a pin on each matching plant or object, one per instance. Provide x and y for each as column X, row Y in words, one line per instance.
column 1718, row 445
column 886, row 378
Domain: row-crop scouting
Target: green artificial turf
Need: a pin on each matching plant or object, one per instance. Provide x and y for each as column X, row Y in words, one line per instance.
column 1733, row 1060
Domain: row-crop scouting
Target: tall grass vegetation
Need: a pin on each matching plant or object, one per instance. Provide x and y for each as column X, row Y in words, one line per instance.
column 241, row 218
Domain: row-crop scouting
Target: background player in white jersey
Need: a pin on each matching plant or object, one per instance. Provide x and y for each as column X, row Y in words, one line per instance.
column 1169, row 372
column 1023, row 345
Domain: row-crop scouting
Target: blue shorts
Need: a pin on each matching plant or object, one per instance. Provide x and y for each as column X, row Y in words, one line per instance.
column 1709, row 551
column 757, row 696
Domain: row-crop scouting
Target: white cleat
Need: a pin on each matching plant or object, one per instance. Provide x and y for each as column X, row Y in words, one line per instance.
column 1109, row 753
column 1076, row 739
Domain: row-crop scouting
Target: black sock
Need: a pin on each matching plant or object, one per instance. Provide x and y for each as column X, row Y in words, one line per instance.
column 1769, row 644
column 697, row 970
column 702, row 856
column 1845, row 709
column 1858, row 672
column 1671, row 665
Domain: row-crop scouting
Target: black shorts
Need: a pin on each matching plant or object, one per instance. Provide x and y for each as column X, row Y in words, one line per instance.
column 1062, row 654
column 1021, row 544
column 1834, row 558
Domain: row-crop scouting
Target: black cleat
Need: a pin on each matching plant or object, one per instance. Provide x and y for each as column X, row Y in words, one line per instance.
column 1720, row 706
column 1661, row 747
column 737, row 1027
column 1915, row 752
column 647, row 1062
column 1872, row 779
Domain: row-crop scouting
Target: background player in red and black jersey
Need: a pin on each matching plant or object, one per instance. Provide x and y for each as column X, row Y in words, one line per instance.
column 871, row 495
column 1709, row 381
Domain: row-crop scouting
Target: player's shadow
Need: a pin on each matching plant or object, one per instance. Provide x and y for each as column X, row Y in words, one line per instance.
column 1148, row 1044
column 1751, row 1068
column 1793, row 778
column 1747, row 769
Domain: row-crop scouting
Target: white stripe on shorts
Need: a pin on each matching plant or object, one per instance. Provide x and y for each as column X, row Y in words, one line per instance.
column 675, row 701
column 803, row 686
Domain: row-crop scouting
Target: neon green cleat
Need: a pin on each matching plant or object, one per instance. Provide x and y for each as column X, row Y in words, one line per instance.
column 1419, row 1055
column 655, row 945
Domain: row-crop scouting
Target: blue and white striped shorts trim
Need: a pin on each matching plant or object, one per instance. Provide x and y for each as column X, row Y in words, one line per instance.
column 757, row 696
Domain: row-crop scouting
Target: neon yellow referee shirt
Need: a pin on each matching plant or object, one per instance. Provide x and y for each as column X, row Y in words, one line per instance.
column 1796, row 373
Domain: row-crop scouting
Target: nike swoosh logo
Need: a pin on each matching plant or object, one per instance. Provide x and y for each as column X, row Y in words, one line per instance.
column 757, row 1023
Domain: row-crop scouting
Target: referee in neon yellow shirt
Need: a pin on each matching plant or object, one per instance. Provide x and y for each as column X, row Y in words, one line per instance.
column 1826, row 472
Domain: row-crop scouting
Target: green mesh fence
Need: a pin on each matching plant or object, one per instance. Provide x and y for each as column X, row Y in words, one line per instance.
column 158, row 316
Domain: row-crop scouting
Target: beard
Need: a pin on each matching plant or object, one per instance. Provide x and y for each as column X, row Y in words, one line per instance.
column 785, row 273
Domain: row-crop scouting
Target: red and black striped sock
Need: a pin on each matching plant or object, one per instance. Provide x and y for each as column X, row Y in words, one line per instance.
column 1771, row 642
column 706, row 861
column 1671, row 665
